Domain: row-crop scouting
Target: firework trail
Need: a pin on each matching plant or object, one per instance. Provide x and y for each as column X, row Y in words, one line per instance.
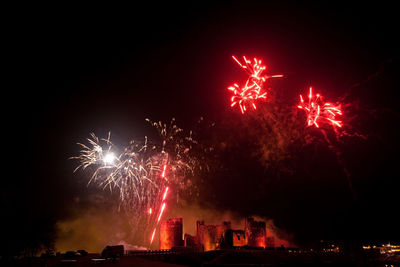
column 253, row 89
column 319, row 112
column 144, row 172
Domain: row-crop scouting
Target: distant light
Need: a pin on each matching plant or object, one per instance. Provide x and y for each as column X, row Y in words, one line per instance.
column 109, row 158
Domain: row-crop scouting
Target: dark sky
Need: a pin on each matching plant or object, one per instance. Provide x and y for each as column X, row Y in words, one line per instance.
column 77, row 70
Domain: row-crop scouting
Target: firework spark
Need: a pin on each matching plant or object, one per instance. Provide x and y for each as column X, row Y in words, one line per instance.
column 253, row 89
column 319, row 112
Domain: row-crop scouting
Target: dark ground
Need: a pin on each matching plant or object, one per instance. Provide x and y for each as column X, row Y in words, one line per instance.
column 225, row 258
column 87, row 261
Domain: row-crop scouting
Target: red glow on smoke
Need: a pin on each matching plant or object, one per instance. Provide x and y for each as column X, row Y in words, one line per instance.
column 318, row 111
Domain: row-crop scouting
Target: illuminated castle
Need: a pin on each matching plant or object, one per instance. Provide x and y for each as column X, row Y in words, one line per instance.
column 212, row 237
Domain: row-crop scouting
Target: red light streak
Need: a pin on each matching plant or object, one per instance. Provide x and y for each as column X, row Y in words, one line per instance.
column 152, row 236
column 163, row 172
column 163, row 205
column 165, row 194
column 160, row 215
column 161, row 212
column 238, row 62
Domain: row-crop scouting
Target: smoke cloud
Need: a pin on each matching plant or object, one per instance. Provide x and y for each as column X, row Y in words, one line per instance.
column 97, row 225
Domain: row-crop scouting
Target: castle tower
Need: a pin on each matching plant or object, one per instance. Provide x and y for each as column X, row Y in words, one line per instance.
column 171, row 233
column 255, row 233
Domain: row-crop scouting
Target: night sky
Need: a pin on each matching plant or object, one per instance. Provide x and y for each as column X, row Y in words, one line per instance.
column 77, row 70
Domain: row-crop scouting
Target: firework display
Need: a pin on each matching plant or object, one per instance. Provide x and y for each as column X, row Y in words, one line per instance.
column 143, row 171
column 253, row 89
column 317, row 111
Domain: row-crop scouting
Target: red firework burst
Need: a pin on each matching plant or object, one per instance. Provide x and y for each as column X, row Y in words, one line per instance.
column 246, row 96
column 253, row 89
column 318, row 111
